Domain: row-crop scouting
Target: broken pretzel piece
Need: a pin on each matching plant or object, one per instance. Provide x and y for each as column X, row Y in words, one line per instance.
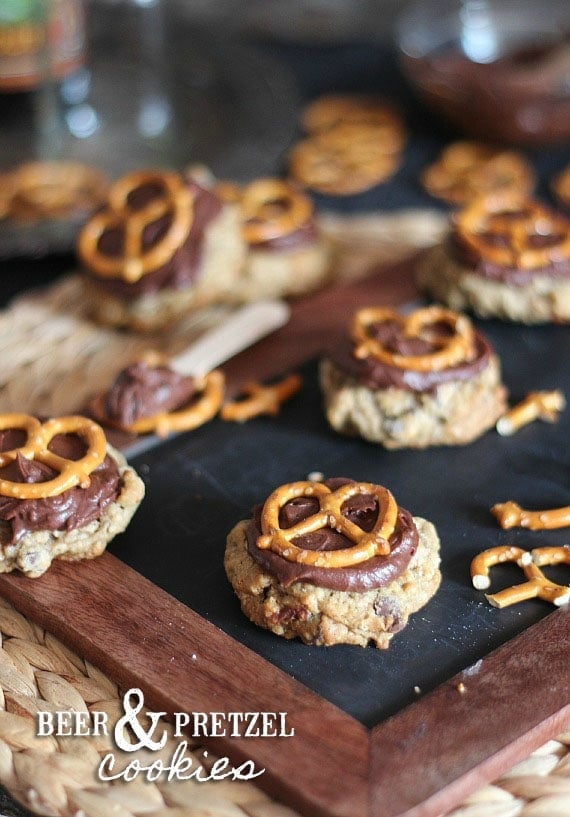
column 537, row 584
column 537, row 405
column 511, row 515
column 261, row 399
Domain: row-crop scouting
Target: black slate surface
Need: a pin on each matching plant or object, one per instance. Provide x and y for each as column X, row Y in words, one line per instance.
column 201, row 484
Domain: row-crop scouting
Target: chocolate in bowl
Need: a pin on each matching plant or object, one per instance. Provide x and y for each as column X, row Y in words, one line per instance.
column 497, row 70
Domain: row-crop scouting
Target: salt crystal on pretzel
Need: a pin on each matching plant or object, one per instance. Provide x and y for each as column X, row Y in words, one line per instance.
column 36, row 447
column 511, row 515
column 537, row 405
column 365, row 546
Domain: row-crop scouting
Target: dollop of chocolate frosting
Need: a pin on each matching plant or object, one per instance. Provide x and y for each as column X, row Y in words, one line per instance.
column 379, row 571
column 376, row 374
column 183, row 267
column 141, row 390
column 516, row 276
column 70, row 510
column 305, row 235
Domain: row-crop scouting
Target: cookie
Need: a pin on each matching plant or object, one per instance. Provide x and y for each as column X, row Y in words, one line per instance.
column 287, row 255
column 162, row 247
column 466, row 170
column 311, row 594
column 505, row 257
column 67, row 502
column 412, row 382
column 354, row 143
column 38, row 191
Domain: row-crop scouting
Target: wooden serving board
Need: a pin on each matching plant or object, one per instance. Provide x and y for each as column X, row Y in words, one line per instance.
column 419, row 758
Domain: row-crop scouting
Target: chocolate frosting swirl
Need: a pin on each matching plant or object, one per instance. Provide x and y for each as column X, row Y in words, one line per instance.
column 376, row 374
column 183, row 267
column 379, row 571
column 70, row 510
column 141, row 390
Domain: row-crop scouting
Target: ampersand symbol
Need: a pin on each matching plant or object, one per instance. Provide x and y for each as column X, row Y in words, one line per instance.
column 145, row 740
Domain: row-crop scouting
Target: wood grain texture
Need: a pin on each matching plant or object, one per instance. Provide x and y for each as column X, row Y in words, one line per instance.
column 418, row 763
column 141, row 636
column 515, row 698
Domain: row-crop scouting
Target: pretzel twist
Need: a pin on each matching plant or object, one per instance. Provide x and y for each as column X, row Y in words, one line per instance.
column 537, row 586
column 261, row 399
column 39, row 435
column 513, row 232
column 200, row 410
column 511, row 515
column 175, row 201
column 448, row 351
column 466, row 170
column 366, row 545
column 271, row 208
column 537, row 405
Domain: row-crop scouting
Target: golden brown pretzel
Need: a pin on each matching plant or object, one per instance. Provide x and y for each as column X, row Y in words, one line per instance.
column 261, row 399
column 537, row 405
column 511, row 515
column 271, row 208
column 511, row 231
column 175, row 201
column 366, row 545
column 537, row 586
column 466, row 170
column 331, row 110
column 203, row 407
column 43, row 190
column 347, row 161
column 36, row 447
column 448, row 351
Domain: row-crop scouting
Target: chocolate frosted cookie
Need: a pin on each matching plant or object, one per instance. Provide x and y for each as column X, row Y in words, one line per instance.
column 505, row 257
column 64, row 492
column 425, row 379
column 333, row 563
column 287, row 255
column 162, row 247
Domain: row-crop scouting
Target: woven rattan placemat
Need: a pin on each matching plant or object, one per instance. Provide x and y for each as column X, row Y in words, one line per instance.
column 57, row 776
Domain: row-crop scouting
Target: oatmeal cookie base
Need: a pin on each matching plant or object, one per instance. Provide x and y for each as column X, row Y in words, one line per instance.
column 543, row 300
column 35, row 551
column 325, row 617
column 223, row 253
column 456, row 413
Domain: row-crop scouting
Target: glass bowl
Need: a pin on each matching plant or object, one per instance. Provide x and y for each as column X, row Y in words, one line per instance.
column 498, row 69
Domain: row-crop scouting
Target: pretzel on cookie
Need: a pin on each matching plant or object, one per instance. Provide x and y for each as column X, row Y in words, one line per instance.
column 365, row 545
column 511, row 231
column 537, row 405
column 175, row 202
column 261, row 399
column 199, row 410
column 465, row 170
column 448, row 350
column 70, row 473
column 536, row 586
column 271, row 208
column 511, row 515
